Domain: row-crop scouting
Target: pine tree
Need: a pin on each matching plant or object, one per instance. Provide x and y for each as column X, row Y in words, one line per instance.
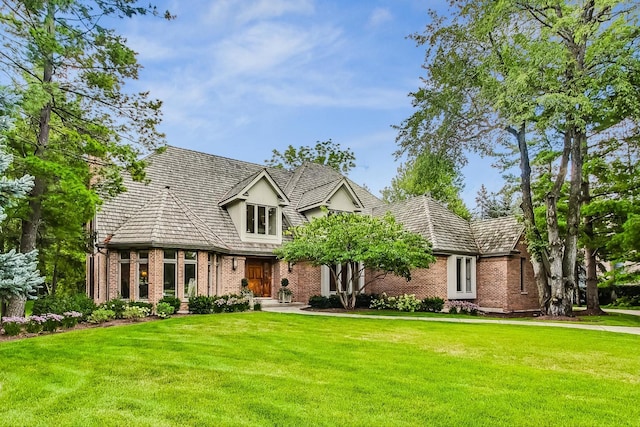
column 19, row 276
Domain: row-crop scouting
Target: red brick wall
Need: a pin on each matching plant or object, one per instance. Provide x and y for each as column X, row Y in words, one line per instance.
column 526, row 299
column 425, row 282
column 491, row 282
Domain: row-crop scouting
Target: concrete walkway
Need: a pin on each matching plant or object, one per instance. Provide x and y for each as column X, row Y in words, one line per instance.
column 297, row 308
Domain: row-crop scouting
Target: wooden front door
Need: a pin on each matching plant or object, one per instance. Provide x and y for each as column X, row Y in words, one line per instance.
column 259, row 276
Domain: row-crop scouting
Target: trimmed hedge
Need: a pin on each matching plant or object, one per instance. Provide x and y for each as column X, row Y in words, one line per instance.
column 628, row 295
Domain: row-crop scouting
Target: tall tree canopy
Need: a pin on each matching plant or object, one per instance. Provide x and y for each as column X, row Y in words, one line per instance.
column 359, row 242
column 429, row 173
column 552, row 75
column 325, row 153
column 75, row 119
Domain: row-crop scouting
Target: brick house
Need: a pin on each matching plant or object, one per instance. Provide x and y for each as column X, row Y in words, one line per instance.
column 201, row 223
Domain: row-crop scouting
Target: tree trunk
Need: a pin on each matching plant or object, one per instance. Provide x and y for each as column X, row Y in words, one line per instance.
column 32, row 222
column 593, row 303
column 15, row 306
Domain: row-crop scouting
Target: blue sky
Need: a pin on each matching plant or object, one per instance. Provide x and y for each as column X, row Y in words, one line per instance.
column 240, row 78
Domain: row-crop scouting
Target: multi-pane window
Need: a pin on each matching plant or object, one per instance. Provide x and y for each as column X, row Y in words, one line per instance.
column 190, row 275
column 461, row 277
column 125, row 274
column 169, row 273
column 143, row 275
column 338, row 276
column 262, row 220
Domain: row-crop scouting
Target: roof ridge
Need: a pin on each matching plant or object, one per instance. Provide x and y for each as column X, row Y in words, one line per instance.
column 295, row 178
column 427, row 211
column 160, row 213
column 191, row 216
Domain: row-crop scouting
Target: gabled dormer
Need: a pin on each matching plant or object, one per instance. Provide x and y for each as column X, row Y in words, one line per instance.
column 336, row 196
column 255, row 206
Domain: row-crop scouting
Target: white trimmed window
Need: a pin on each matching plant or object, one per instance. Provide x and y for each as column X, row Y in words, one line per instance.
column 461, row 277
column 262, row 220
column 190, row 273
column 328, row 284
column 124, row 264
column 169, row 271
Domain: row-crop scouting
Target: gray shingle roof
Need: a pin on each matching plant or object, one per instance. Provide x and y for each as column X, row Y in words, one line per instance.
column 198, row 181
column 497, row 235
column 446, row 231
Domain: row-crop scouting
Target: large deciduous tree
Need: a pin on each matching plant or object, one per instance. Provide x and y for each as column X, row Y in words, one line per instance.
column 75, row 118
column 358, row 242
column 549, row 73
column 432, row 174
column 324, row 152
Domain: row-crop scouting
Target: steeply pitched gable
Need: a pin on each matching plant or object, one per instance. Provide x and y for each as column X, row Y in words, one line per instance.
column 497, row 236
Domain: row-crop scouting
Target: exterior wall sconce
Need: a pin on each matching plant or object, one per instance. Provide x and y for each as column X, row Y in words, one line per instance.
column 290, row 266
column 234, row 263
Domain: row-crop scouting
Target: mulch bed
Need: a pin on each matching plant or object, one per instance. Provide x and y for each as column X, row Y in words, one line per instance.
column 85, row 325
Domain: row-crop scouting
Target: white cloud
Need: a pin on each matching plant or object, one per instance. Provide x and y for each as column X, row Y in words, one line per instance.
column 379, row 16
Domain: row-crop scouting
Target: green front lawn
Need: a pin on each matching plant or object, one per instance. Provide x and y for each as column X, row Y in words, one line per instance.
column 287, row 369
column 612, row 319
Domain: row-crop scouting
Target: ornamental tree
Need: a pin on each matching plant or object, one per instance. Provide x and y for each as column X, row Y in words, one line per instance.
column 358, row 242
column 325, row 153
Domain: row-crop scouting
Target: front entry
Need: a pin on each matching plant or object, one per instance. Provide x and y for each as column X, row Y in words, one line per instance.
column 259, row 276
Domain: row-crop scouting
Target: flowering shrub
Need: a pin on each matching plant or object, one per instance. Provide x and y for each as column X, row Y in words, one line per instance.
column 102, row 315
column 116, row 305
column 71, row 318
column 164, row 310
column 218, row 304
column 135, row 312
column 34, row 325
column 401, row 303
column 13, row 325
column 52, row 322
column 462, row 307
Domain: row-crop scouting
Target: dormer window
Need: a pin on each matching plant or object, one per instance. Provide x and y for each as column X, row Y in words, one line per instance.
column 262, row 220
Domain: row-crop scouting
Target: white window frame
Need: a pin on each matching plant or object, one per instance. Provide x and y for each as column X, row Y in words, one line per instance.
column 256, row 217
column 325, row 279
column 458, row 271
column 194, row 262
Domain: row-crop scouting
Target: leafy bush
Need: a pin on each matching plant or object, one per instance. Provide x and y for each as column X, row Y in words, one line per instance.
column 619, row 295
column 401, row 303
column 134, row 312
column 116, row 305
column 71, row 318
column 257, row 307
column 462, row 307
column 164, row 310
column 200, row 304
column 52, row 322
column 334, row 301
column 318, row 301
column 102, row 315
column 59, row 304
column 433, row 304
column 172, row 301
column 13, row 325
column 364, row 300
column 141, row 304
column 35, row 323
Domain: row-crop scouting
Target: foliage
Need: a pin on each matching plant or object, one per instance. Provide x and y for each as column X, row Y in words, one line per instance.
column 134, row 312
column 285, row 291
column 432, row 304
column 284, row 282
column 401, row 303
column 76, row 127
column 52, row 322
column 13, row 325
column 244, row 282
column 361, row 241
column 620, row 295
column 146, row 305
column 493, row 205
column 462, row 307
column 318, row 301
column 60, row 304
column 430, row 174
column 164, row 310
column 546, row 81
column 202, row 304
column 325, row 153
column 172, row 301
column 116, row 305
column 71, row 318
column 257, row 306
column 19, row 276
column 102, row 315
column 34, row 325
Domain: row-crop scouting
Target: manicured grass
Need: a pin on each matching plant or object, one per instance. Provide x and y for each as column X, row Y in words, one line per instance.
column 288, row 369
column 612, row 319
